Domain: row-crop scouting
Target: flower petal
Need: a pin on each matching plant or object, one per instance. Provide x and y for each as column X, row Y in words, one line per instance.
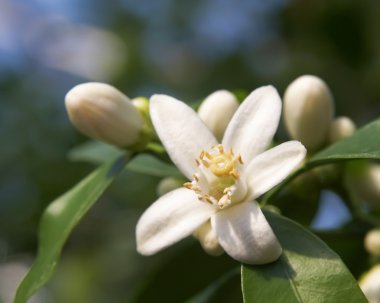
column 254, row 124
column 245, row 234
column 182, row 132
column 272, row 166
column 171, row 218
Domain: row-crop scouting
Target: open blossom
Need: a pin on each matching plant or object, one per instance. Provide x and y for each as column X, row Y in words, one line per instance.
column 226, row 178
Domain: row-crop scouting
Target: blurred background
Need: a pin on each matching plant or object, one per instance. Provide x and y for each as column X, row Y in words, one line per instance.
column 185, row 49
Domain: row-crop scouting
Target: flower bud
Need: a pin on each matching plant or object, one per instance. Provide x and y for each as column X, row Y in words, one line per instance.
column 372, row 242
column 217, row 110
column 340, row 128
column 208, row 240
column 363, row 179
column 168, row 184
column 308, row 111
column 370, row 284
column 102, row 112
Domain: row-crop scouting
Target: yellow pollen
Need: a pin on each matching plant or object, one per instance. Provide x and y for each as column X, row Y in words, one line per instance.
column 220, row 162
column 224, row 165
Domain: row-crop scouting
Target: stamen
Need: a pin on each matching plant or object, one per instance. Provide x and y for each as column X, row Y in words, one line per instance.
column 205, row 163
column 234, row 174
column 224, row 165
column 208, row 156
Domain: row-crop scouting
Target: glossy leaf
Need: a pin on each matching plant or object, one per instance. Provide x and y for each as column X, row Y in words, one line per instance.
column 58, row 221
column 308, row 271
column 363, row 144
column 98, row 152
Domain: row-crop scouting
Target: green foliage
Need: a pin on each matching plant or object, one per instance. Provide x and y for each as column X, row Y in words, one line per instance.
column 98, row 152
column 58, row 221
column 363, row 144
column 308, row 271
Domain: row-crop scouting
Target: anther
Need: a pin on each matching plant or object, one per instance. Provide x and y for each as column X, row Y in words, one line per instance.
column 205, row 163
column 208, row 156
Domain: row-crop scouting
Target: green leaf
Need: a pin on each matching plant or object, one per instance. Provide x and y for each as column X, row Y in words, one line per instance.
column 99, row 152
column 363, row 144
column 58, row 221
column 149, row 165
column 308, row 271
column 95, row 152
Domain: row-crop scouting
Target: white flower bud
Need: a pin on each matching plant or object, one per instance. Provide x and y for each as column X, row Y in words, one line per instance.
column 370, row 285
column 340, row 128
column 102, row 112
column 217, row 110
column 208, row 240
column 308, row 111
column 364, row 181
column 168, row 184
column 372, row 242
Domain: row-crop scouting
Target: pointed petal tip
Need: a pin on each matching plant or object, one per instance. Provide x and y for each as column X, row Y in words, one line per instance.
column 267, row 90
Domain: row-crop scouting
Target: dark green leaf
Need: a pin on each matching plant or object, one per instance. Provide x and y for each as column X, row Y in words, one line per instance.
column 308, row 271
column 363, row 144
column 58, row 221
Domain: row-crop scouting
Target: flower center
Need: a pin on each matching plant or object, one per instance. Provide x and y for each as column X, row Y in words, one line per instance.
column 217, row 178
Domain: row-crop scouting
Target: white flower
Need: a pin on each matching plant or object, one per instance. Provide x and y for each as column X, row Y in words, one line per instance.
column 226, row 178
